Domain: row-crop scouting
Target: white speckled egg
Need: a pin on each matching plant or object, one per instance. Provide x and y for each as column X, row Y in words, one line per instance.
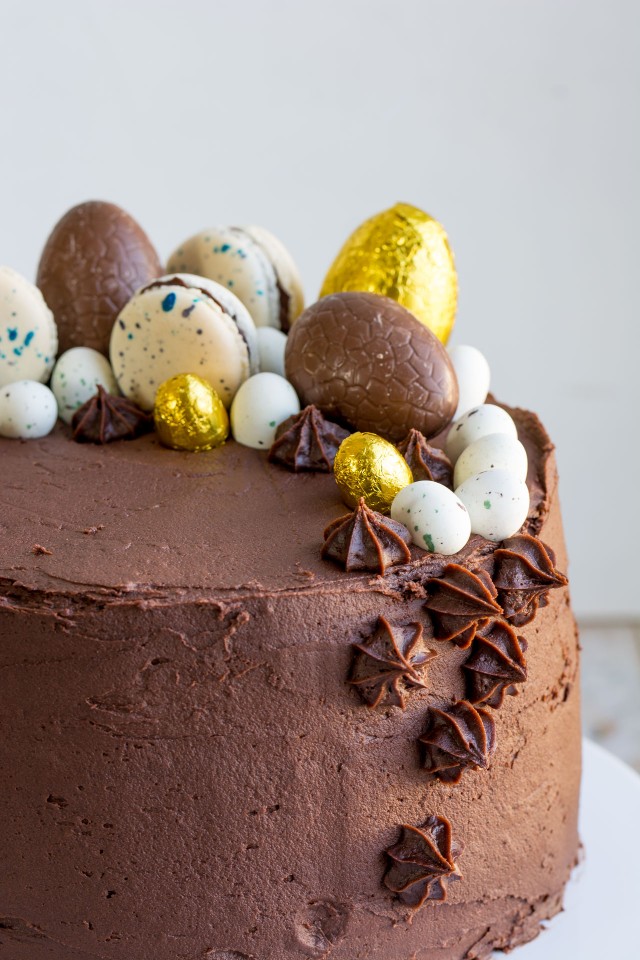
column 497, row 501
column 436, row 518
column 262, row 402
column 28, row 332
column 474, row 377
column 28, row 410
column 476, row 423
column 76, row 376
column 495, row 451
column 271, row 344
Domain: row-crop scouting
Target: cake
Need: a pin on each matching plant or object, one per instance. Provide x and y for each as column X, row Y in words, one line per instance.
column 220, row 743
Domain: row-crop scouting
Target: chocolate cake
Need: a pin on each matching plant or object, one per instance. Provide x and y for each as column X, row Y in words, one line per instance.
column 218, row 744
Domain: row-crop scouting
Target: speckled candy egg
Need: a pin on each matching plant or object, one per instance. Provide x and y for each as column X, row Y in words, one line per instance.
column 28, row 410
column 497, row 501
column 436, row 518
column 28, row 334
column 476, row 423
column 495, row 451
column 95, row 258
column 271, row 346
column 474, row 377
column 259, row 406
column 366, row 361
column 182, row 324
column 76, row 376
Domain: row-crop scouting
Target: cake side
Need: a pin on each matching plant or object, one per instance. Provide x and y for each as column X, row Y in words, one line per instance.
column 195, row 777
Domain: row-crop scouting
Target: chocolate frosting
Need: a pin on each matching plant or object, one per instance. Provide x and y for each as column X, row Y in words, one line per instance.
column 104, row 418
column 366, row 540
column 390, row 662
column 525, row 572
column 496, row 664
column 423, row 862
column 307, row 441
column 456, row 738
column 426, row 462
column 460, row 602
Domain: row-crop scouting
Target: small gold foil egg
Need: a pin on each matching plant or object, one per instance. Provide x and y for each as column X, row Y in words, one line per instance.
column 401, row 253
column 189, row 414
column 370, row 467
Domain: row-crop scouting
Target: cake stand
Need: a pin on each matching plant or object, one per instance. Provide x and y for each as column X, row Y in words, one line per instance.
column 602, row 903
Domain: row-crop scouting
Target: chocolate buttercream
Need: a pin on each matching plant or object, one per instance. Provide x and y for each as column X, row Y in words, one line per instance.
column 105, row 418
column 525, row 572
column 307, row 441
column 426, row 462
column 496, row 664
column 366, row 540
column 460, row 602
column 423, row 862
column 456, row 738
column 389, row 663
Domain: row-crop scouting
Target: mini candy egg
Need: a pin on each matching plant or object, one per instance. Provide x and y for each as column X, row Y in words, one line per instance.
column 76, row 376
column 474, row 377
column 28, row 410
column 189, row 415
column 401, row 253
column 495, row 451
column 497, row 501
column 94, row 260
column 435, row 517
column 368, row 466
column 260, row 405
column 182, row 323
column 252, row 263
column 271, row 346
column 28, row 334
column 475, row 423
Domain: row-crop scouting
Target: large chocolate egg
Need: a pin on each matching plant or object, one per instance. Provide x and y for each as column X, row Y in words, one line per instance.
column 93, row 261
column 401, row 253
column 366, row 361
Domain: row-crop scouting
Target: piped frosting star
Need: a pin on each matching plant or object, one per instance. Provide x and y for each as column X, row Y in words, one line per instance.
column 422, row 863
column 390, row 662
column 460, row 602
column 525, row 572
column 457, row 738
column 426, row 462
column 307, row 442
column 496, row 664
column 366, row 540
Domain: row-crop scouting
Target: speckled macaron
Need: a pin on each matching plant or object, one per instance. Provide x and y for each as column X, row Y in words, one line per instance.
column 28, row 333
column 251, row 262
column 182, row 323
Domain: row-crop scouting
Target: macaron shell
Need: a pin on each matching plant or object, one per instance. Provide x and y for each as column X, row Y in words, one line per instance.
column 286, row 270
column 167, row 330
column 233, row 259
column 28, row 332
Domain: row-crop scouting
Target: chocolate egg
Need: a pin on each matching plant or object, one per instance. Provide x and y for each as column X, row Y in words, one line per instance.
column 366, row 361
column 93, row 261
column 401, row 253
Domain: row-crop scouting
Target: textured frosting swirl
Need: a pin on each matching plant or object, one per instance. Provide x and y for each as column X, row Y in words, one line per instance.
column 426, row 462
column 104, row 418
column 423, row 862
column 461, row 601
column 496, row 664
column 366, row 540
column 390, row 662
column 307, row 441
column 525, row 571
column 456, row 738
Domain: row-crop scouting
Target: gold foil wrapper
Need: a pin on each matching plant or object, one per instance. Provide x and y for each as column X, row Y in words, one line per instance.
column 401, row 253
column 370, row 467
column 189, row 414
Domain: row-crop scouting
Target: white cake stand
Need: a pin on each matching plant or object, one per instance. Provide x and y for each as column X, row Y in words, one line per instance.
column 601, row 919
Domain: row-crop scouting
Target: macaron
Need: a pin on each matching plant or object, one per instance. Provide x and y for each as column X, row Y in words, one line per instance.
column 183, row 323
column 28, row 332
column 253, row 264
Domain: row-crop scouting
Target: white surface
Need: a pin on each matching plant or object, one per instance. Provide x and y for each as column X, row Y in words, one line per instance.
column 600, row 919
column 516, row 124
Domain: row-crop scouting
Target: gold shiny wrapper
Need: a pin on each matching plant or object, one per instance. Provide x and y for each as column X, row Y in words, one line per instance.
column 189, row 414
column 370, row 467
column 401, row 253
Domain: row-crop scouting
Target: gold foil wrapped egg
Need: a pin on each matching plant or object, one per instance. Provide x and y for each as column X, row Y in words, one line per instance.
column 370, row 467
column 401, row 253
column 189, row 414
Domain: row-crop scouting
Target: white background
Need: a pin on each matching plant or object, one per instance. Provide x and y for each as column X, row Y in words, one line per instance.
column 514, row 123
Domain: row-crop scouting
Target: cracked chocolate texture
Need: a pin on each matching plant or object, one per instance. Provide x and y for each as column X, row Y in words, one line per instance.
column 457, row 738
column 389, row 663
column 307, row 442
column 366, row 540
column 422, row 863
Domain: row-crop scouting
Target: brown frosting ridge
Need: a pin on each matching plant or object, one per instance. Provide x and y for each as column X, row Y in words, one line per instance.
column 525, row 572
column 389, row 662
column 426, row 462
column 307, row 441
column 366, row 540
column 460, row 602
column 423, row 862
column 496, row 664
column 105, row 418
column 456, row 738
